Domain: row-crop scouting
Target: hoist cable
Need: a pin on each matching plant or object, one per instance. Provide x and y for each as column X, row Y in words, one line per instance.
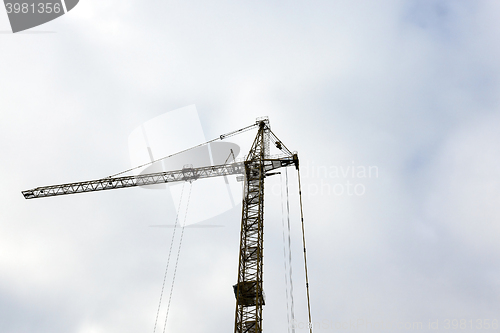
column 168, row 260
column 305, row 257
column 177, row 260
column 290, row 272
column 287, row 290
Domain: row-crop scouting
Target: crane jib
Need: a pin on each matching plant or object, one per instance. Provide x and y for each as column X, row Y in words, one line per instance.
column 186, row 174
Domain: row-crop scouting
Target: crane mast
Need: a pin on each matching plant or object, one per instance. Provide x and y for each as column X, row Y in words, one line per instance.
column 249, row 289
column 257, row 165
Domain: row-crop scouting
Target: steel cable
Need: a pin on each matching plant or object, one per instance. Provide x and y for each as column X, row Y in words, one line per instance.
column 177, row 260
column 305, row 257
column 168, row 259
column 221, row 137
column 290, row 271
column 287, row 292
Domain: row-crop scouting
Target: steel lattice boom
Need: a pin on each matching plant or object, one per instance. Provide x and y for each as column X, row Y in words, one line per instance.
column 186, row 174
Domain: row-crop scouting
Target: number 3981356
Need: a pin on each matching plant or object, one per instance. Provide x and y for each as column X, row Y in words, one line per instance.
column 39, row 8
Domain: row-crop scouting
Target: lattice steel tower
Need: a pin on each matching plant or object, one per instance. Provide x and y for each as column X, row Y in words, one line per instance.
column 249, row 289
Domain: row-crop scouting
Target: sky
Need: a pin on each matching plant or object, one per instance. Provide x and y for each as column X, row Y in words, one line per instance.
column 392, row 106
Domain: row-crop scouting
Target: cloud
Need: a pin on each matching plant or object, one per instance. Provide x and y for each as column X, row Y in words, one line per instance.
column 409, row 87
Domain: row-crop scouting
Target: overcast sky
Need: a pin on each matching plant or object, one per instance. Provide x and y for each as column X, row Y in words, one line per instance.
column 405, row 89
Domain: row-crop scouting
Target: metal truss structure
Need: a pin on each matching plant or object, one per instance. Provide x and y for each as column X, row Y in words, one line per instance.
column 249, row 289
column 188, row 173
column 257, row 165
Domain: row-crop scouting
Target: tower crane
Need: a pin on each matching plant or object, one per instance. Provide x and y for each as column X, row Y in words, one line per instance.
column 257, row 165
